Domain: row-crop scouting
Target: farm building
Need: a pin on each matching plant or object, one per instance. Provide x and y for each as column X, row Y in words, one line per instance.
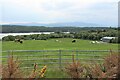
column 107, row 39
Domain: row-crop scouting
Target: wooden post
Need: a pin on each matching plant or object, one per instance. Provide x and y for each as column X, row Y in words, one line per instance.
column 76, row 55
column 27, row 61
column 60, row 65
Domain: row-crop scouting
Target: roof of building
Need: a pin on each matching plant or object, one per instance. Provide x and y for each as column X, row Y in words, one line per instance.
column 108, row 37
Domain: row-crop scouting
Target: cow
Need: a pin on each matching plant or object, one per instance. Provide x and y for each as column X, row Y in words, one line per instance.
column 97, row 42
column 18, row 40
column 92, row 42
column 73, row 41
column 21, row 42
column 56, row 40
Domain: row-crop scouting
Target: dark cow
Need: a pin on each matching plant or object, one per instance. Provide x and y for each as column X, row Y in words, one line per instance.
column 19, row 40
column 73, row 41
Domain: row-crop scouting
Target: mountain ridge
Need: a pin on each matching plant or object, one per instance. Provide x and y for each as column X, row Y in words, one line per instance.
column 62, row 24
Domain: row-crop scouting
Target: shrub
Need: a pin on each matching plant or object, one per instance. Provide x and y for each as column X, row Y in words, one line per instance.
column 109, row 68
column 75, row 69
column 36, row 73
column 8, row 38
column 12, row 70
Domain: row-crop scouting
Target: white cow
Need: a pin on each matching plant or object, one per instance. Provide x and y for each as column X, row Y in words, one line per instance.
column 97, row 42
column 56, row 40
column 93, row 42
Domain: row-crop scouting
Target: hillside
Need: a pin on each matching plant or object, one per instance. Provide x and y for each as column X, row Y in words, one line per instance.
column 62, row 24
column 19, row 29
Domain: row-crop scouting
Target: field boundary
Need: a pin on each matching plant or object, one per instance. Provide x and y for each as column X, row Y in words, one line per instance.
column 59, row 50
column 59, row 57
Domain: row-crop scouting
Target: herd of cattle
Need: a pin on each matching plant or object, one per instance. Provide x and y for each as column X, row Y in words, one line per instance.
column 21, row 41
column 73, row 41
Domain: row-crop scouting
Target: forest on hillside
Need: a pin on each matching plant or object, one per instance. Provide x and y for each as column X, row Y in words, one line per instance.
column 26, row 29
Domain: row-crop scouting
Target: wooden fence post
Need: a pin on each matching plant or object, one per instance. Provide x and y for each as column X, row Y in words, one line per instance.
column 60, row 65
column 27, row 61
column 76, row 55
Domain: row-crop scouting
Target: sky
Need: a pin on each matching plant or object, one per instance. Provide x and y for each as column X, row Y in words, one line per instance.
column 103, row 12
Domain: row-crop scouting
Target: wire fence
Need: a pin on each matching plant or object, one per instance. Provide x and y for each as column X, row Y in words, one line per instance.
column 55, row 58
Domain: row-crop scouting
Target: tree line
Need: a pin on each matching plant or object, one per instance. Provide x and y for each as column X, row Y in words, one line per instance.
column 83, row 34
column 26, row 29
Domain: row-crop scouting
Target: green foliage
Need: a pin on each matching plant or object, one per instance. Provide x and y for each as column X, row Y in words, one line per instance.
column 87, row 33
column 8, row 38
column 21, row 29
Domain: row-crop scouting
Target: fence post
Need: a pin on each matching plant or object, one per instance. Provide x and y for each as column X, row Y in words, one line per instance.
column 27, row 61
column 76, row 55
column 60, row 65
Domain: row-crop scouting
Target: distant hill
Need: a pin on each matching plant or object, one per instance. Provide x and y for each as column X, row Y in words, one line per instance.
column 75, row 24
column 64, row 24
column 22, row 29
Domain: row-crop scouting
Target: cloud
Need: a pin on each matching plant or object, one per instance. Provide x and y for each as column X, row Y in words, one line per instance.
column 57, row 10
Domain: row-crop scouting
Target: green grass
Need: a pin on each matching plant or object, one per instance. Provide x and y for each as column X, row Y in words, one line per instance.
column 51, row 44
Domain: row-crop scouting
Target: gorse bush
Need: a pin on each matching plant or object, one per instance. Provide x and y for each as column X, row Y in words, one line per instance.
column 36, row 73
column 12, row 70
column 108, row 69
column 75, row 69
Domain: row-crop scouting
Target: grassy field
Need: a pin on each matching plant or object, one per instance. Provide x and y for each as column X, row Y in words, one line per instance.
column 52, row 44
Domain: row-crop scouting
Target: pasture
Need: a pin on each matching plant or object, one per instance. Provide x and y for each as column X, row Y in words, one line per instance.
column 61, row 44
column 53, row 59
